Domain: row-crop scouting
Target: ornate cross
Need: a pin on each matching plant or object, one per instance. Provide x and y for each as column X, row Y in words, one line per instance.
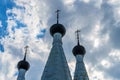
column 57, row 16
column 77, row 34
column 26, row 48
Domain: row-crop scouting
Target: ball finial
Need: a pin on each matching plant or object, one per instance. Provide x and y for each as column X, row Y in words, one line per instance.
column 57, row 27
column 78, row 49
column 23, row 64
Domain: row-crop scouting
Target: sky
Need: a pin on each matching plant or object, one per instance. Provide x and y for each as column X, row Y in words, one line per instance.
column 27, row 22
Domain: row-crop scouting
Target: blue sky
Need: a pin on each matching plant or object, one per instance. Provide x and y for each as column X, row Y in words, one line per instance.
column 27, row 23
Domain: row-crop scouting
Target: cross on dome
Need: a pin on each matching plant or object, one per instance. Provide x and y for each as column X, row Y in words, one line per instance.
column 26, row 49
column 77, row 34
column 58, row 11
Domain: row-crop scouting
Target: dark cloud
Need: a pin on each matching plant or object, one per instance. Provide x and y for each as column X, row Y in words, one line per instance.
column 83, row 16
column 35, row 72
column 86, row 16
column 14, row 50
column 109, row 25
column 113, row 71
column 115, row 38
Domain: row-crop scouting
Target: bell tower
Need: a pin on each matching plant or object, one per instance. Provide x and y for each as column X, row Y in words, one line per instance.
column 56, row 67
column 23, row 66
column 79, row 52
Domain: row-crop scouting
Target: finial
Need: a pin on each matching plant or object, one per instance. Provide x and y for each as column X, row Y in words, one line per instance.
column 57, row 16
column 26, row 48
column 77, row 34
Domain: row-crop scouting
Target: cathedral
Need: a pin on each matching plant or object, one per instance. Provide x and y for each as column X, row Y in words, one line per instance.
column 56, row 67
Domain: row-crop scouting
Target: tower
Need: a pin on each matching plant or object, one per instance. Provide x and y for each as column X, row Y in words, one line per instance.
column 79, row 52
column 23, row 66
column 56, row 67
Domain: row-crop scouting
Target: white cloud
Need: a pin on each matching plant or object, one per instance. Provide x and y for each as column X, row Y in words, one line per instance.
column 8, row 66
column 115, row 54
column 105, row 63
column 90, row 17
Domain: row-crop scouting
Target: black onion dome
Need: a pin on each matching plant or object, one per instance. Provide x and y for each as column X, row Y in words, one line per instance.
column 23, row 65
column 57, row 28
column 79, row 49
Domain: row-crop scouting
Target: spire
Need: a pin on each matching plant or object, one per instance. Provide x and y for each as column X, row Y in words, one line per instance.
column 79, row 52
column 77, row 34
column 57, row 28
column 56, row 67
column 57, row 16
column 78, row 49
column 26, row 48
column 23, row 66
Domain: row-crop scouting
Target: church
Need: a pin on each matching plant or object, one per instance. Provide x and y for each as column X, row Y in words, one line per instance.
column 56, row 67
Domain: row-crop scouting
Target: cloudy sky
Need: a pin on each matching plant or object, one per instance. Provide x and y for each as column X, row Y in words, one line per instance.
column 27, row 22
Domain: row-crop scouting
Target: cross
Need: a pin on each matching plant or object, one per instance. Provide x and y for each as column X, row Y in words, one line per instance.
column 26, row 48
column 77, row 34
column 57, row 16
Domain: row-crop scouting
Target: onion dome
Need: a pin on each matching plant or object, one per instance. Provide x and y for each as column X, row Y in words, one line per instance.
column 23, row 64
column 78, row 50
column 57, row 28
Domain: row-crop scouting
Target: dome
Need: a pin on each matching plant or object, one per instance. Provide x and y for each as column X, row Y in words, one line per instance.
column 79, row 49
column 23, row 65
column 57, row 28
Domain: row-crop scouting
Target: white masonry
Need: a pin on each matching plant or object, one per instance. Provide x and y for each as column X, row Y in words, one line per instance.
column 80, row 70
column 56, row 67
column 21, row 74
